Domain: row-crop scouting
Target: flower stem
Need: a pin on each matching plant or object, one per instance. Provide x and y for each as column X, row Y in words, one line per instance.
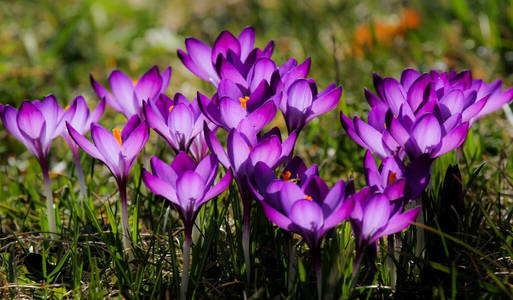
column 50, row 208
column 80, row 175
column 316, row 252
column 124, row 217
column 245, row 241
column 185, row 272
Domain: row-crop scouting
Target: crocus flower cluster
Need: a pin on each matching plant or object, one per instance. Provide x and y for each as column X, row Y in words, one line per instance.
column 411, row 123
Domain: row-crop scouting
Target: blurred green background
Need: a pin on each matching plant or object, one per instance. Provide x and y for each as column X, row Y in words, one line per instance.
column 52, row 46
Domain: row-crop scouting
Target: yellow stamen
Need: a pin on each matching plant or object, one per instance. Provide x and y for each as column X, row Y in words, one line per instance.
column 117, row 135
column 243, row 101
column 308, row 198
column 249, row 147
column 392, row 177
column 286, row 175
column 171, row 108
column 134, row 82
column 66, row 108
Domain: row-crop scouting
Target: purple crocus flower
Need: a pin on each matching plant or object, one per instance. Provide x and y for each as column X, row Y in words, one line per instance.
column 232, row 113
column 417, row 174
column 377, row 215
column 414, row 125
column 36, row 124
column 309, row 208
column 243, row 153
column 127, row 96
column 229, row 57
column 302, row 103
column 180, row 123
column 77, row 114
column 118, row 151
column 188, row 185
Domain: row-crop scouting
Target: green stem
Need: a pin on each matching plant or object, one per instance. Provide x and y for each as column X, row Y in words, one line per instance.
column 124, row 216
column 185, row 272
column 50, row 208
column 80, row 175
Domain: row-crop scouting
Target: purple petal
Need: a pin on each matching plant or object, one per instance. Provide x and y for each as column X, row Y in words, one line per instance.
column 30, row 120
column 228, row 88
column 163, row 171
column 182, row 163
column 325, row 103
column 123, row 89
column 181, row 121
column 199, row 60
column 224, row 42
column 408, row 76
column 105, row 94
column 238, row 149
column 289, row 193
column 232, row 112
column 496, row 101
column 276, row 217
column 399, row 222
column 84, row 143
column 334, row 198
column 190, row 188
column 207, row 169
column 247, row 42
column 52, row 113
column 97, row 113
column 452, row 140
column 427, row 132
column 149, row 85
column 268, row 151
column 394, row 94
column 417, row 90
column 160, row 187
column 376, row 215
column 262, row 70
column 219, row 187
column 227, row 70
column 107, row 145
column 215, row 146
column 306, row 214
column 258, row 119
column 299, row 95
column 372, row 176
column 133, row 145
column 342, row 212
column 166, row 78
column 370, row 137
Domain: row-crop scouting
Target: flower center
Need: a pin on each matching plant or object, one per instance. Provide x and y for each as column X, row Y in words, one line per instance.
column 134, row 82
column 171, row 108
column 67, row 107
column 286, row 175
column 243, row 101
column 308, row 198
column 392, row 177
column 117, row 136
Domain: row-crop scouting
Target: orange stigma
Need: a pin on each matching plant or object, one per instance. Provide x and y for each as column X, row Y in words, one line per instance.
column 392, row 177
column 66, row 108
column 286, row 175
column 243, row 101
column 308, row 198
column 171, row 108
column 117, row 135
column 134, row 82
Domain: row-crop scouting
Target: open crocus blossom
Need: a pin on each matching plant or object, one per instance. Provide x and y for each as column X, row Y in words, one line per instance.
column 302, row 103
column 36, row 124
column 240, row 113
column 307, row 208
column 423, row 113
column 78, row 116
column 377, row 215
column 118, row 151
column 229, row 57
column 127, row 96
column 416, row 174
column 243, row 153
column 180, row 123
column 188, row 185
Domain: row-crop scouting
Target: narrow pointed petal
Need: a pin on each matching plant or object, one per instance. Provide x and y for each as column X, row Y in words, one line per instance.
column 258, row 119
column 224, row 42
column 133, row 145
column 166, row 78
column 370, row 137
column 394, row 94
column 399, row 222
column 183, row 163
column 107, row 145
column 97, row 112
column 160, row 187
column 325, row 103
column 123, row 89
column 247, row 42
column 84, row 143
column 105, row 94
column 452, row 140
column 238, row 149
column 408, row 77
column 163, row 171
column 334, row 198
column 215, row 146
column 220, row 186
